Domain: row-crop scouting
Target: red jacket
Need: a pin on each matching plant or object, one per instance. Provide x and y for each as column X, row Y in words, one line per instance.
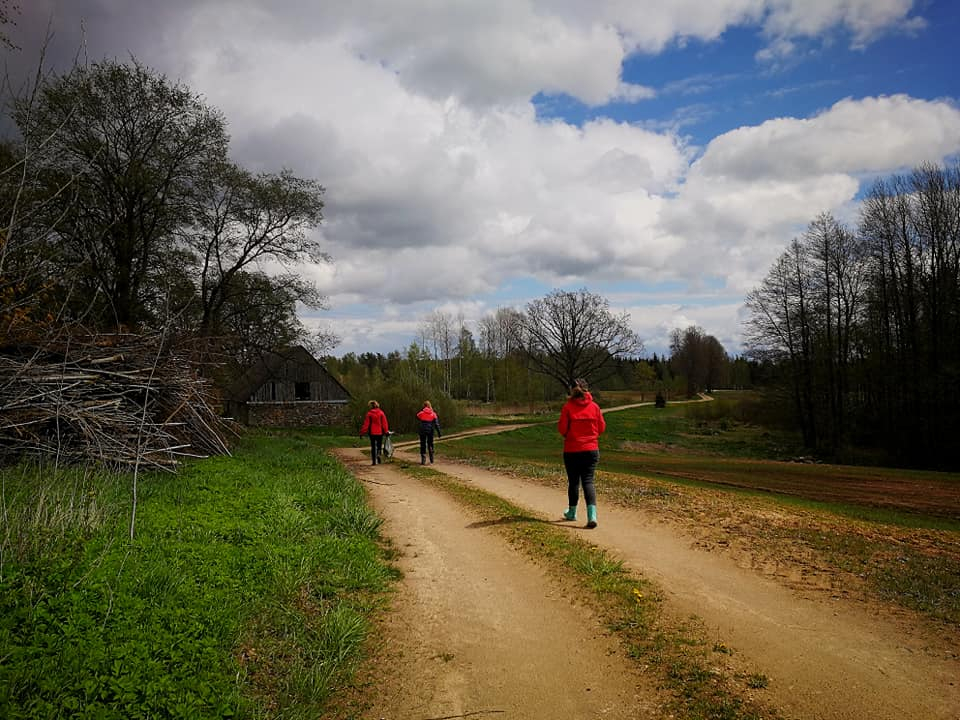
column 375, row 422
column 581, row 423
column 429, row 422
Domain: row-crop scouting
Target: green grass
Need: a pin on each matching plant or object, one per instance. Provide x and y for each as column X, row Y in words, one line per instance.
column 473, row 422
column 667, row 445
column 894, row 529
column 244, row 593
column 653, row 429
column 632, row 606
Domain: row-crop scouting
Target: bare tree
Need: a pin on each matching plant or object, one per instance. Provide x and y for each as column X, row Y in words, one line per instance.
column 780, row 329
column 437, row 334
column 8, row 9
column 837, row 274
column 865, row 326
column 568, row 335
column 911, row 333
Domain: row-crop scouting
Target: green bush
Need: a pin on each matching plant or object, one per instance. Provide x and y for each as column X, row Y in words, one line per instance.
column 401, row 401
column 741, row 407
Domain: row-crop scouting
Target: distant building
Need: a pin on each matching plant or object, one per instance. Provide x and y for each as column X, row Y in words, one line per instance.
column 288, row 388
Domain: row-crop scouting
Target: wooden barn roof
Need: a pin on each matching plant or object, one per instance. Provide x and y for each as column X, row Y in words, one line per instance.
column 267, row 368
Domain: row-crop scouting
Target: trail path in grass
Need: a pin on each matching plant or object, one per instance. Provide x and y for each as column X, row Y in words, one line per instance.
column 479, row 628
column 825, row 657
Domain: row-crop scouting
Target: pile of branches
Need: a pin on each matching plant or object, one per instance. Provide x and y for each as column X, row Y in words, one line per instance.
column 120, row 400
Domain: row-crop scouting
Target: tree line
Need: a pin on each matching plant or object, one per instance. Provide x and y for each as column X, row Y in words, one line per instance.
column 861, row 326
column 122, row 210
column 533, row 355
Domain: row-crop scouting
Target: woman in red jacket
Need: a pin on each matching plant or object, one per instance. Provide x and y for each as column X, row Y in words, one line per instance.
column 429, row 424
column 375, row 423
column 581, row 423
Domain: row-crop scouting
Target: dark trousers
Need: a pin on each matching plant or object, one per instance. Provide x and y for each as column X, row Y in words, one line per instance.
column 426, row 443
column 376, row 447
column 581, row 467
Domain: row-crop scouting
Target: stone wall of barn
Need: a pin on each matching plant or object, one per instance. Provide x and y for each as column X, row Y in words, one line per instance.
column 295, row 414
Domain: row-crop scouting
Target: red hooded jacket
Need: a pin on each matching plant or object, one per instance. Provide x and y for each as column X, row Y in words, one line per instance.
column 581, row 423
column 429, row 421
column 375, row 421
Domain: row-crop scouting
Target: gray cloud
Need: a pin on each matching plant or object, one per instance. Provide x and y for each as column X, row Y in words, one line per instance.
column 444, row 186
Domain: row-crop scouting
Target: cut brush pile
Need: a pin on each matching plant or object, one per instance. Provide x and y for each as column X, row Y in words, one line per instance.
column 119, row 400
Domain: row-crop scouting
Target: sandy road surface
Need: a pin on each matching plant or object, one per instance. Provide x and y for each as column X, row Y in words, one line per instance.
column 478, row 630
column 826, row 659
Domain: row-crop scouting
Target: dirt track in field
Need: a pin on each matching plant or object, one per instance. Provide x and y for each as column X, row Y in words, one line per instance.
column 480, row 631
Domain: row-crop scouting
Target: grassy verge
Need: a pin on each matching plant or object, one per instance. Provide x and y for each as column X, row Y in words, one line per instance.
column 243, row 594
column 882, row 548
column 703, row 678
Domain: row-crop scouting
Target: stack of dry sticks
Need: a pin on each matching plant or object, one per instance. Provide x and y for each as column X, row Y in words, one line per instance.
column 120, row 400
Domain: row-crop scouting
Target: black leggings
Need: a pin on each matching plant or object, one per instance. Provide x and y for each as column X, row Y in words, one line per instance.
column 581, row 467
column 376, row 445
column 426, row 442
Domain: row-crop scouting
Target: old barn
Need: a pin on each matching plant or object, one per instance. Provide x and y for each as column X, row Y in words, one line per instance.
column 287, row 388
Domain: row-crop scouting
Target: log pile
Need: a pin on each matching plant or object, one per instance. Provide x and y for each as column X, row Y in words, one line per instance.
column 119, row 400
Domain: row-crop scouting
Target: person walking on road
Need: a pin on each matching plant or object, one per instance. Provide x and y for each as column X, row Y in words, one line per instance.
column 429, row 423
column 375, row 423
column 581, row 424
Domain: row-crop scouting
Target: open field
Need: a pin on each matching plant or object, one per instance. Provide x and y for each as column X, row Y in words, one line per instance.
column 924, row 493
column 665, row 444
column 871, row 533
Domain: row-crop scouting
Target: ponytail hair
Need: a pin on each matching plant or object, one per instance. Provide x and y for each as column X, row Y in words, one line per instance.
column 579, row 388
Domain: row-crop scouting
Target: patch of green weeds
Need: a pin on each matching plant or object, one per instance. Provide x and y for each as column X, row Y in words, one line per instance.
column 928, row 583
column 243, row 593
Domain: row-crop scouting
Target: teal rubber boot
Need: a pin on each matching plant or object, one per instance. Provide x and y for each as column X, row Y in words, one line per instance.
column 591, row 516
column 570, row 513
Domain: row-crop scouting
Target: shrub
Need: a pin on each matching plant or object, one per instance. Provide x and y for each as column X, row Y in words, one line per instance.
column 401, row 401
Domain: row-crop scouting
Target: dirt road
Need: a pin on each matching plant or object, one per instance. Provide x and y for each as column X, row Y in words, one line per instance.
column 479, row 631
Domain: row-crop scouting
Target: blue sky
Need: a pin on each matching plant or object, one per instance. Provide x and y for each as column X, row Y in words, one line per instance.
column 706, row 88
column 479, row 154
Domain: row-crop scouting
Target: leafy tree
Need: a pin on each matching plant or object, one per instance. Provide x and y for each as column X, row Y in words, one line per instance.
column 401, row 401
column 260, row 314
column 241, row 219
column 118, row 149
column 644, row 377
column 688, row 357
column 568, row 335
